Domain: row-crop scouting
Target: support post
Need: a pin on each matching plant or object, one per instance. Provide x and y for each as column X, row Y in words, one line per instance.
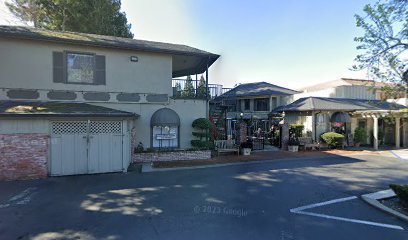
column 404, row 133
column 397, row 132
column 375, row 132
column 206, row 90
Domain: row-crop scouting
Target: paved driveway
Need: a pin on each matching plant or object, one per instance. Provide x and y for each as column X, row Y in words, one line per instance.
column 251, row 201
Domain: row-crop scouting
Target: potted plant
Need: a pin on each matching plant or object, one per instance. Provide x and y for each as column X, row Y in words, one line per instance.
column 293, row 145
column 246, row 148
column 360, row 136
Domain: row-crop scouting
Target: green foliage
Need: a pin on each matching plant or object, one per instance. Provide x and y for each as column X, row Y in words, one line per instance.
column 246, row 145
column 385, row 43
column 402, row 193
column 293, row 142
column 202, row 123
column 204, row 126
column 177, row 90
column 188, row 91
column 201, row 89
column 332, row 139
column 296, row 130
column 94, row 16
column 201, row 135
column 202, row 144
column 360, row 135
column 27, row 11
column 139, row 148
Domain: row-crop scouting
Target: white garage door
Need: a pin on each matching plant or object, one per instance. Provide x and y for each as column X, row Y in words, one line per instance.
column 81, row 147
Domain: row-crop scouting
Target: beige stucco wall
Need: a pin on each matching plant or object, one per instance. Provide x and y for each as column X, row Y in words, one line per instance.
column 17, row 126
column 28, row 64
column 188, row 111
column 357, row 92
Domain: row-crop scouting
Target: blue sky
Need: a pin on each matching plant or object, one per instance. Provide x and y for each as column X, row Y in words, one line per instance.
column 292, row 43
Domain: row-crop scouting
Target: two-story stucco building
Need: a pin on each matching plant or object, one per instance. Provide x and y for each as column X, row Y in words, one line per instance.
column 343, row 105
column 73, row 103
column 252, row 102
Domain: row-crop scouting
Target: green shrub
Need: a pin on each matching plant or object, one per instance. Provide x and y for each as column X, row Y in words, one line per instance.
column 402, row 193
column 293, row 142
column 296, row 130
column 198, row 144
column 332, row 139
column 203, row 126
column 360, row 135
column 139, row 148
column 202, row 123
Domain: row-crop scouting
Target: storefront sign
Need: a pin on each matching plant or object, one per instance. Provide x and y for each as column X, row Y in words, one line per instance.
column 165, row 136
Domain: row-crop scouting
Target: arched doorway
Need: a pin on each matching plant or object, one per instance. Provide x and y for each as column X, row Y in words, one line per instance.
column 165, row 129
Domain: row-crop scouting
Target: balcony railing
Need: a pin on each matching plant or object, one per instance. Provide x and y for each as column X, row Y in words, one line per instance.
column 191, row 89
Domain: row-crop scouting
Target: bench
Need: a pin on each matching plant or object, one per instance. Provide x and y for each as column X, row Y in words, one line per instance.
column 224, row 146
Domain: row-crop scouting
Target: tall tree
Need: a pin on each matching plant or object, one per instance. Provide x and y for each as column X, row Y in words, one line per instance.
column 201, row 89
column 384, row 44
column 92, row 16
column 29, row 11
column 188, row 91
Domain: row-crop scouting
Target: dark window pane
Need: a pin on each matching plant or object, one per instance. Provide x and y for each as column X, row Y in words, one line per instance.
column 261, row 104
column 247, row 103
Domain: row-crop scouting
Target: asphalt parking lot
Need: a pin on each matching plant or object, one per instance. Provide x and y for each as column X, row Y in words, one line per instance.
column 312, row 198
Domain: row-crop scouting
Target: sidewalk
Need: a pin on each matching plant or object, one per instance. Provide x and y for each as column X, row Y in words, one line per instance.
column 259, row 156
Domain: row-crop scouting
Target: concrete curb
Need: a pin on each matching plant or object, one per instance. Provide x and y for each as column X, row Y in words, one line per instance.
column 373, row 199
column 151, row 169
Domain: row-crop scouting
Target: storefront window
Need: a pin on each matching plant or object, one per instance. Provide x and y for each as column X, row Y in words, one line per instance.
column 165, row 125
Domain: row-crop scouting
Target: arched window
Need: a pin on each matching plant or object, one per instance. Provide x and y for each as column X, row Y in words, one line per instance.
column 165, row 125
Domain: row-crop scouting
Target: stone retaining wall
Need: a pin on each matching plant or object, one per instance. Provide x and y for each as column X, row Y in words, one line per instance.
column 171, row 156
column 23, row 156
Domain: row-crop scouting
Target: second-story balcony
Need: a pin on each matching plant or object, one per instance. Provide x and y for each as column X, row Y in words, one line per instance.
column 192, row 89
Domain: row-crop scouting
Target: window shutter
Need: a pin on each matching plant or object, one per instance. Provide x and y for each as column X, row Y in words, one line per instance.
column 100, row 72
column 58, row 67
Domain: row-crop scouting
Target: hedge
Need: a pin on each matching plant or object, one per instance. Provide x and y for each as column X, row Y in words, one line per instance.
column 333, row 139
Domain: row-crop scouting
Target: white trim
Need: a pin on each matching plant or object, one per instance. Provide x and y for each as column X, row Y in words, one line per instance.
column 299, row 210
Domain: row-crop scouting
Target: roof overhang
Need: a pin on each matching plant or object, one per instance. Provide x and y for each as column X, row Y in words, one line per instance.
column 184, row 65
column 186, row 60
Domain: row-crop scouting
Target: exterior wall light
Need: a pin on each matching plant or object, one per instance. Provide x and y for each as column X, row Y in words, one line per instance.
column 134, row 59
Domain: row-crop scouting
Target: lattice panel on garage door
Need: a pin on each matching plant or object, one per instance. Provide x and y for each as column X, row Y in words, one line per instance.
column 69, row 127
column 113, row 127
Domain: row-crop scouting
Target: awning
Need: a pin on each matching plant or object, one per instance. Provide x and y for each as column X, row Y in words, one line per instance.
column 165, row 117
column 340, row 117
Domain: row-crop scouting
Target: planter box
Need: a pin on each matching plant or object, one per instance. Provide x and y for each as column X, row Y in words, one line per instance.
column 246, row 151
column 171, row 156
column 293, row 148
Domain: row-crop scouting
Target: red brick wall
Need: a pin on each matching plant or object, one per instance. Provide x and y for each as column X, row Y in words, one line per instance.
column 23, row 156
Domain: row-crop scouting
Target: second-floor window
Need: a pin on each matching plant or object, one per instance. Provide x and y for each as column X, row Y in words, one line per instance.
column 80, row 68
column 261, row 104
column 247, row 104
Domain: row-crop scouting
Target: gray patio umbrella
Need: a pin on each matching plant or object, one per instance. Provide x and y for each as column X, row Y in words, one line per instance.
column 340, row 117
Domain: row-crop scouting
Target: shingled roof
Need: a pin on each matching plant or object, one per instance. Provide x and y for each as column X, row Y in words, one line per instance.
column 256, row 89
column 84, row 39
column 336, row 104
column 58, row 109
